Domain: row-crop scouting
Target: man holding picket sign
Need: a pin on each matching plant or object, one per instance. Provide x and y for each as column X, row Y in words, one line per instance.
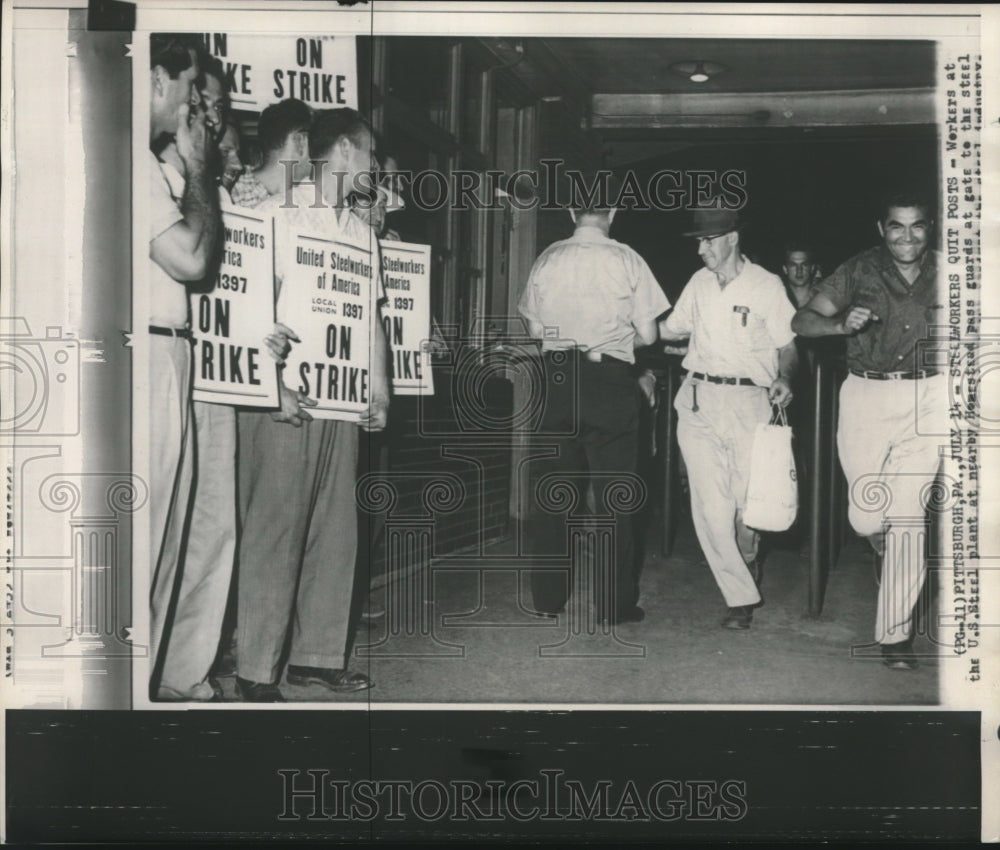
column 740, row 360
column 297, row 471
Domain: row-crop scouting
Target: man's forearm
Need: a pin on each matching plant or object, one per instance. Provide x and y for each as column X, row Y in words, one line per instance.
column 807, row 322
column 788, row 362
column 200, row 207
column 646, row 333
column 670, row 336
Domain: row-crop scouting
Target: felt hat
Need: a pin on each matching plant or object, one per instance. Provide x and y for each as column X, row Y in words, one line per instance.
column 712, row 222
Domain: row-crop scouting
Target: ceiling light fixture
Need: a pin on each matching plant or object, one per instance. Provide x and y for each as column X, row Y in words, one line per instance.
column 698, row 70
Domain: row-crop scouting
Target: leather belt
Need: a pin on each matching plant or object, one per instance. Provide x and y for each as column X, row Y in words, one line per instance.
column 895, row 376
column 183, row 333
column 716, row 379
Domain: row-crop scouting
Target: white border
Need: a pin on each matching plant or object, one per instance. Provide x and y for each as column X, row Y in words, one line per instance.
column 929, row 23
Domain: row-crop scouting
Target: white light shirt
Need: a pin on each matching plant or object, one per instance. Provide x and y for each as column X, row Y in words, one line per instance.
column 735, row 331
column 588, row 291
column 299, row 214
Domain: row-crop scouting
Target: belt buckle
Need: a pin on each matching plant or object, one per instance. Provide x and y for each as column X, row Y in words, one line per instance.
column 895, row 376
column 729, row 381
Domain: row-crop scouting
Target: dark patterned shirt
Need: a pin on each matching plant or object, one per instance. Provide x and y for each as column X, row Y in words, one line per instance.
column 905, row 312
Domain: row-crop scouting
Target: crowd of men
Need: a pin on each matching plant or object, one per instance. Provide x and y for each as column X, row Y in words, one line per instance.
column 290, row 523
column 292, row 526
column 738, row 324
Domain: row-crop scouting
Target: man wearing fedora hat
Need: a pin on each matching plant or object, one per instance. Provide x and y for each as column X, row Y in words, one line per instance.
column 590, row 300
column 740, row 360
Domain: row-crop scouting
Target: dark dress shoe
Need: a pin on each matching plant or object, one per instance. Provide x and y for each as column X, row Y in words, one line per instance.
column 339, row 681
column 738, row 618
column 635, row 614
column 258, row 691
column 225, row 666
column 899, row 656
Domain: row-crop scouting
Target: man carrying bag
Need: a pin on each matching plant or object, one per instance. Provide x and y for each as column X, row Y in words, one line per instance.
column 740, row 360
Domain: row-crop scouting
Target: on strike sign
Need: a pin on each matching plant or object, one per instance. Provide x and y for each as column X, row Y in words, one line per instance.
column 260, row 70
column 326, row 296
column 231, row 363
column 406, row 275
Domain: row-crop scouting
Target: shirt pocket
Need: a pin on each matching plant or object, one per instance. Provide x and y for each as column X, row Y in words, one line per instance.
column 749, row 329
column 873, row 297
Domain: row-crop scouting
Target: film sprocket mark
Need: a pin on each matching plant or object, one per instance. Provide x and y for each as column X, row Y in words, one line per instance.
column 45, row 377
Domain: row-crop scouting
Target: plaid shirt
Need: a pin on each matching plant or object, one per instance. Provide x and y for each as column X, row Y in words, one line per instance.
column 248, row 191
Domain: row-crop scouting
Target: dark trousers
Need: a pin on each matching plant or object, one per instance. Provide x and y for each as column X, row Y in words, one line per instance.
column 589, row 432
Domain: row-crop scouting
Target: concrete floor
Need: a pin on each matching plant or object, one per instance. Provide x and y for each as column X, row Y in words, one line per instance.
column 470, row 642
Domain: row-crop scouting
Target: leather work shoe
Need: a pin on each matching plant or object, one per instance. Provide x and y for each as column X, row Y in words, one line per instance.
column 258, row 691
column 899, row 656
column 635, row 614
column 339, row 681
column 738, row 618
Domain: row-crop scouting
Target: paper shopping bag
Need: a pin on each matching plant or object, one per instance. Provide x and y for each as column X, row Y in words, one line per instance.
column 772, row 491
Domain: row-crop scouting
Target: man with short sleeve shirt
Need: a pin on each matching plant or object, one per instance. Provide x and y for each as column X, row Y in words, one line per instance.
column 297, row 475
column 184, row 228
column 892, row 406
column 595, row 300
column 740, row 360
column 209, row 543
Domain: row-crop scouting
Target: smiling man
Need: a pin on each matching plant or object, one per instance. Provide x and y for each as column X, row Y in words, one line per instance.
column 740, row 361
column 884, row 301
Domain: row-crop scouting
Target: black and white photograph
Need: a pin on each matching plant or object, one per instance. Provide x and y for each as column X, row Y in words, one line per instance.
column 496, row 421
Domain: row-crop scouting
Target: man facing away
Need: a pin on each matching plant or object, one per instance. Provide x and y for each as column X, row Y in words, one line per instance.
column 740, row 361
column 595, row 300
column 884, row 302
column 297, row 475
